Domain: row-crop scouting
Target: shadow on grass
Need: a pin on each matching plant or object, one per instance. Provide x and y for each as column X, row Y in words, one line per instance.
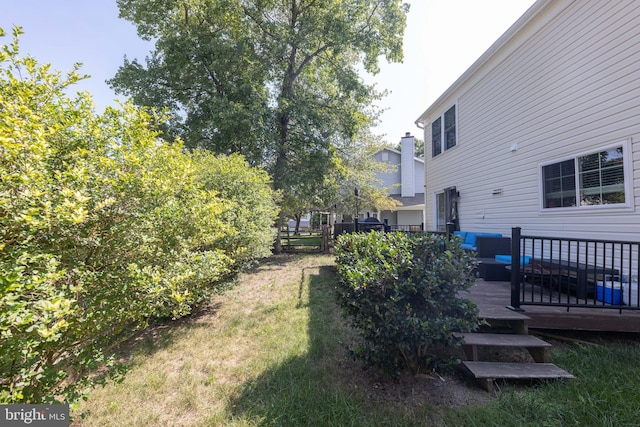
column 159, row 335
column 307, row 390
column 162, row 333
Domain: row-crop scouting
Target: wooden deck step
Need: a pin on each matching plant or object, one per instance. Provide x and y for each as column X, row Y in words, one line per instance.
column 486, row 372
column 536, row 347
column 501, row 316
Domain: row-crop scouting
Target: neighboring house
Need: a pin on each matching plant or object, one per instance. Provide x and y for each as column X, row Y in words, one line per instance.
column 405, row 183
column 543, row 130
column 305, row 222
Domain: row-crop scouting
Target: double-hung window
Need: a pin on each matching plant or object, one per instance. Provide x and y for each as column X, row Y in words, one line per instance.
column 594, row 179
column 443, row 132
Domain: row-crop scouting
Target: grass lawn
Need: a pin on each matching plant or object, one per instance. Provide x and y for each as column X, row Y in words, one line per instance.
column 303, row 239
column 271, row 352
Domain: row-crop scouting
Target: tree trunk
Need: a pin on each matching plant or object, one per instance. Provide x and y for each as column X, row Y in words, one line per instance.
column 277, row 245
column 297, row 230
column 284, row 120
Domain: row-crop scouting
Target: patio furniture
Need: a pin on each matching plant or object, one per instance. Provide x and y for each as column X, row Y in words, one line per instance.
column 488, row 248
column 578, row 277
column 469, row 238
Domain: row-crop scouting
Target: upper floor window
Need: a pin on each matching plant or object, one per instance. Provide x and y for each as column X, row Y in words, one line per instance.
column 443, row 137
column 594, row 179
column 436, row 137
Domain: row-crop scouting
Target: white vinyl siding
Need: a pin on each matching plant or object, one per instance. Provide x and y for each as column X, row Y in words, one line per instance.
column 413, row 217
column 568, row 82
column 390, row 179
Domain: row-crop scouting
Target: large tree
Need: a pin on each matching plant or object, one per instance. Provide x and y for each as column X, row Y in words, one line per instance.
column 277, row 80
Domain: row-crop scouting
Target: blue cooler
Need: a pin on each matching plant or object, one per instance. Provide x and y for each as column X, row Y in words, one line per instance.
column 610, row 292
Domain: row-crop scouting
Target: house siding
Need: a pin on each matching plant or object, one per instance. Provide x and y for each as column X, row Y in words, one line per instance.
column 390, row 180
column 566, row 83
column 419, row 177
column 409, row 217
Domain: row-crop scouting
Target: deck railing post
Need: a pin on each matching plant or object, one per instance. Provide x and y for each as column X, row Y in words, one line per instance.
column 451, row 228
column 515, row 269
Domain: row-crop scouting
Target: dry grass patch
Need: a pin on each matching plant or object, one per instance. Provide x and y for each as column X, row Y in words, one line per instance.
column 189, row 370
column 270, row 351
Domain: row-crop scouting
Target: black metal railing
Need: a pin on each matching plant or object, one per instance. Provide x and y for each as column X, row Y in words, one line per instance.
column 363, row 226
column 570, row 273
column 343, row 227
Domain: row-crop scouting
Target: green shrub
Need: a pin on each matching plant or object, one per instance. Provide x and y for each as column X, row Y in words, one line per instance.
column 400, row 292
column 249, row 209
column 102, row 227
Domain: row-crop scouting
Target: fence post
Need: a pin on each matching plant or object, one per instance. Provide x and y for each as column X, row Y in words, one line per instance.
column 515, row 269
column 326, row 239
column 288, row 237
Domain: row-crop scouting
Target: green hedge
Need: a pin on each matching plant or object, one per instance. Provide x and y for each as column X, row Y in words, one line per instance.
column 103, row 227
column 401, row 293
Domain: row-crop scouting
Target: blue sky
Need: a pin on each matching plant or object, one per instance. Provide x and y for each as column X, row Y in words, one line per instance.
column 443, row 38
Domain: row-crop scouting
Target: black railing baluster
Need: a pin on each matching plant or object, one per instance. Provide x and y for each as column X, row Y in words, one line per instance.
column 535, row 268
column 637, row 277
column 553, row 279
column 516, row 274
column 595, row 260
column 579, row 272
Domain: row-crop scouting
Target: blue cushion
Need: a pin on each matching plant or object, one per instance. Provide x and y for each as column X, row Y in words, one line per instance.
column 462, row 234
column 489, row 234
column 470, row 239
column 506, row 259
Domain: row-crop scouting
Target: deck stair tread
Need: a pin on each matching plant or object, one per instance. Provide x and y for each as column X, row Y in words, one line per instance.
column 502, row 340
column 495, row 370
column 500, row 313
column 486, row 372
column 536, row 347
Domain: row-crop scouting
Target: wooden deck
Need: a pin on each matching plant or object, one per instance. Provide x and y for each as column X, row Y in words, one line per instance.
column 490, row 295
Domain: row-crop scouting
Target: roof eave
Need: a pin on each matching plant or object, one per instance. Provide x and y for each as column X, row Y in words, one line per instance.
column 504, row 39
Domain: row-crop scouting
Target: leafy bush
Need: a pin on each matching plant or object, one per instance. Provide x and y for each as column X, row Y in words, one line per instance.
column 400, row 292
column 102, row 227
column 249, row 209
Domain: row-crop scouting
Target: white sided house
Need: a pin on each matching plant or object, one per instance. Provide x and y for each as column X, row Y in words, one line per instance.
column 405, row 183
column 542, row 132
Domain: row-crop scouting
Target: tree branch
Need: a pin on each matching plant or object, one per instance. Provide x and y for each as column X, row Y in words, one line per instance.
column 311, row 56
column 186, row 15
column 259, row 23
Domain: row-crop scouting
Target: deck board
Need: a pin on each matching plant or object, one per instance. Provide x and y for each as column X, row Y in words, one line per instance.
column 494, row 370
column 503, row 340
column 534, row 345
column 494, row 296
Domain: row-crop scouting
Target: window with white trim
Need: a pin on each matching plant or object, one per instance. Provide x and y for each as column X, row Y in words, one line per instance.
column 443, row 132
column 595, row 179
